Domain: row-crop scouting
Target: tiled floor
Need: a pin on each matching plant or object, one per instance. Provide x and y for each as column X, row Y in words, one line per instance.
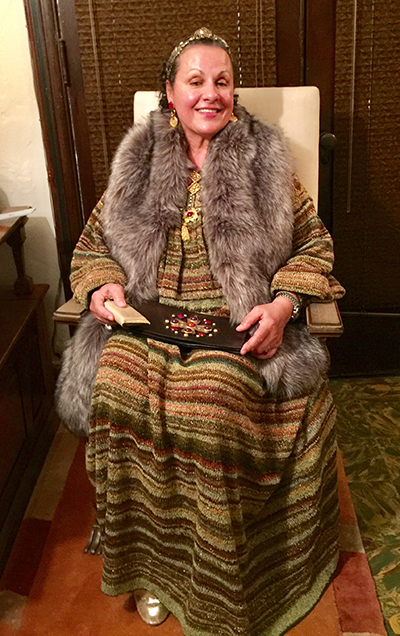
column 369, row 438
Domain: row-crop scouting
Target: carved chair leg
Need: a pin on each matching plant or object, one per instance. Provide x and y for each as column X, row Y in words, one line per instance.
column 94, row 544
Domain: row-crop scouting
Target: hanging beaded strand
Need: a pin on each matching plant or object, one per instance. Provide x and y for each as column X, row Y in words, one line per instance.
column 239, row 41
column 193, row 207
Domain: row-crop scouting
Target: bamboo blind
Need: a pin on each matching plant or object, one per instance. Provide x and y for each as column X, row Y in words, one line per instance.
column 367, row 158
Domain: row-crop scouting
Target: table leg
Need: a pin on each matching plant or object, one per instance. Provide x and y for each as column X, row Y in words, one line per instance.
column 23, row 286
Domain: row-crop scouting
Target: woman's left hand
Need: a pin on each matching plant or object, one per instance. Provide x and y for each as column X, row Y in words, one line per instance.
column 272, row 319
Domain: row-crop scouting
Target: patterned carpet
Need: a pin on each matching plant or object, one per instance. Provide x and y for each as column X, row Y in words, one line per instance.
column 51, row 587
column 369, row 439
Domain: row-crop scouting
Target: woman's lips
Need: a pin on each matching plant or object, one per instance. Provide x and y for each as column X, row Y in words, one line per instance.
column 208, row 112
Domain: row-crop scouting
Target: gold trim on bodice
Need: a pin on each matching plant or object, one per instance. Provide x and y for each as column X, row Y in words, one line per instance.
column 193, row 205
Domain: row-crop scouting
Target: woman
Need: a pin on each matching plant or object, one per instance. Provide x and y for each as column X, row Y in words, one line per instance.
column 214, row 472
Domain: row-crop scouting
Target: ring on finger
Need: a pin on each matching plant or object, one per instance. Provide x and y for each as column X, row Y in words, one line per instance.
column 267, row 349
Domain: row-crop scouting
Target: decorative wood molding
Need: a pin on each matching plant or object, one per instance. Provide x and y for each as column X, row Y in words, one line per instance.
column 320, row 23
column 50, row 80
column 290, row 42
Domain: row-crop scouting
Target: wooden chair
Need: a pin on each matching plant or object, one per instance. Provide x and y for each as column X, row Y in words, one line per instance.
column 296, row 111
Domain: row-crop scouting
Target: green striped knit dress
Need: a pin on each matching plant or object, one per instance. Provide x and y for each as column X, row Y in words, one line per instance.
column 213, row 495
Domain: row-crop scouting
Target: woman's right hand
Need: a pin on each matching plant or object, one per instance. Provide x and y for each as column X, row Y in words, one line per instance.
column 111, row 291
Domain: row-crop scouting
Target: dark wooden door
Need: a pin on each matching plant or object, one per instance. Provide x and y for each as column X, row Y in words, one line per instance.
column 366, row 185
column 351, row 51
column 305, row 46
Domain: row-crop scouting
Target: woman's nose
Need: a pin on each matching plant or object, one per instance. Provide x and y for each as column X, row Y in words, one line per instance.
column 210, row 91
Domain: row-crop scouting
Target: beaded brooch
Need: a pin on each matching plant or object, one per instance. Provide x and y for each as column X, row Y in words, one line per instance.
column 190, row 326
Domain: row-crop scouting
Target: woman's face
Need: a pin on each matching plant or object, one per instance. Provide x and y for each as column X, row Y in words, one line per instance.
column 202, row 94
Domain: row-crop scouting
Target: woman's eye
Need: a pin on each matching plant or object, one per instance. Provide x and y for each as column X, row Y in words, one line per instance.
column 195, row 83
column 221, row 83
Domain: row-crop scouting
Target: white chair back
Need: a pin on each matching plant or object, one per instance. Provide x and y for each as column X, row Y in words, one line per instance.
column 295, row 109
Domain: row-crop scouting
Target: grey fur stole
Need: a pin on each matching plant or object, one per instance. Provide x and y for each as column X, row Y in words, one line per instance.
column 247, row 219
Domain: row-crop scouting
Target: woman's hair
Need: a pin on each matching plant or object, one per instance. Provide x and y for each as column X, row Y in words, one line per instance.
column 170, row 67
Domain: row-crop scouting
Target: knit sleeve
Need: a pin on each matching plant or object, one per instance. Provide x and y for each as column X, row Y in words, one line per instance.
column 308, row 270
column 92, row 265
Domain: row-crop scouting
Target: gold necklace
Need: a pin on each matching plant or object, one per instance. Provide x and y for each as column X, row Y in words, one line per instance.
column 193, row 207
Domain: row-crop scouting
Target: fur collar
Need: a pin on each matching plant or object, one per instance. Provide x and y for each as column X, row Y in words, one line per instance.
column 246, row 200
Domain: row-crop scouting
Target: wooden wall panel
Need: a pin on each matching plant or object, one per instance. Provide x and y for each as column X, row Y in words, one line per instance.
column 44, row 40
column 290, row 42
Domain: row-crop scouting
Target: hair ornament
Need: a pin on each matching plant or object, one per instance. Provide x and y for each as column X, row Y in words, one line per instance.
column 200, row 34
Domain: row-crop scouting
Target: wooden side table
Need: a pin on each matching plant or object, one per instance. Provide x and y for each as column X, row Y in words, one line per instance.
column 27, row 419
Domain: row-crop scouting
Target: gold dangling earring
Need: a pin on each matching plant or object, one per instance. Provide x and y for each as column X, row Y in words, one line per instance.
column 233, row 117
column 173, row 119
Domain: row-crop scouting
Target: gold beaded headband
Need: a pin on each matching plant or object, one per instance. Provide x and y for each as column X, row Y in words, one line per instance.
column 197, row 35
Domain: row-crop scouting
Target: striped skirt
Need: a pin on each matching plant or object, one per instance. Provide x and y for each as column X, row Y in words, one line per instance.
column 212, row 495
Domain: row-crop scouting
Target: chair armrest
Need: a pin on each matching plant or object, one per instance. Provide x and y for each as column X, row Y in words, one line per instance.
column 69, row 313
column 324, row 320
